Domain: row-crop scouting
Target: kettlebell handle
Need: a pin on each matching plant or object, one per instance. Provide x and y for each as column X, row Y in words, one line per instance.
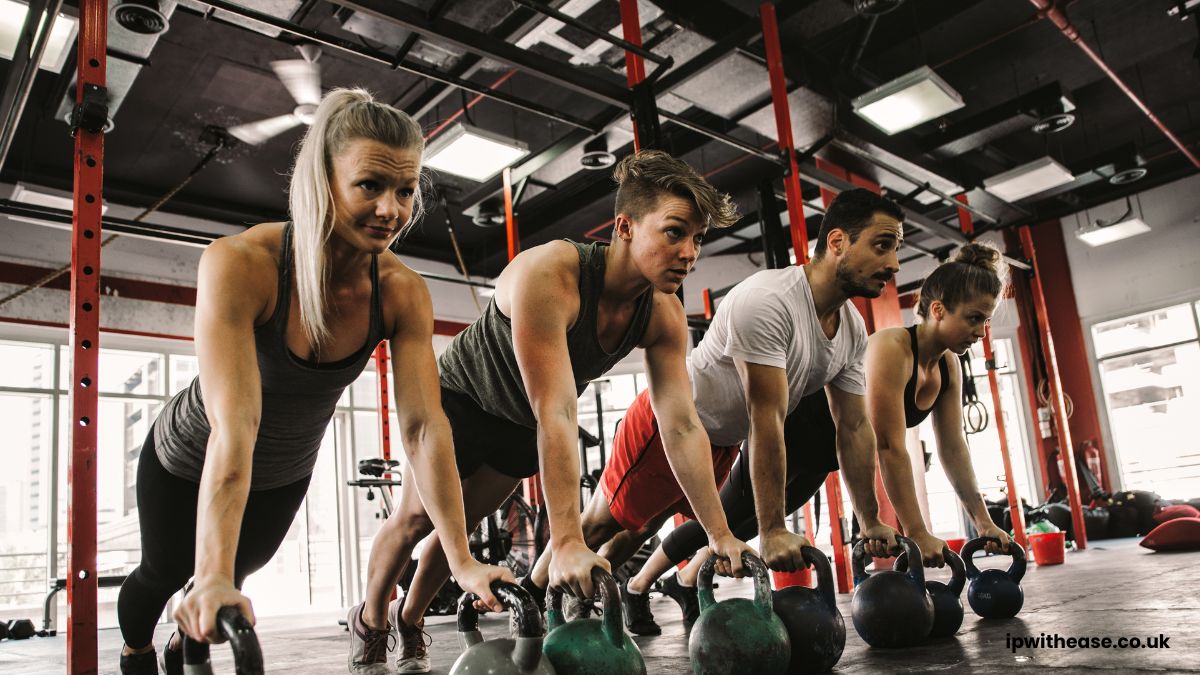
column 526, row 619
column 612, row 618
column 858, row 559
column 236, row 628
column 958, row 578
column 817, row 559
column 1015, row 571
column 762, row 582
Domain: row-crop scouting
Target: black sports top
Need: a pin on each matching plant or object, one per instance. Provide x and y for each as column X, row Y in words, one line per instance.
column 913, row 415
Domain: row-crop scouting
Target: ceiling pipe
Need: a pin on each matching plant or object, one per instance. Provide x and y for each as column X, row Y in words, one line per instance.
column 1056, row 16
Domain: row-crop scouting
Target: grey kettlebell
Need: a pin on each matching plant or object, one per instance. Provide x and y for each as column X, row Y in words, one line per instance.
column 520, row 654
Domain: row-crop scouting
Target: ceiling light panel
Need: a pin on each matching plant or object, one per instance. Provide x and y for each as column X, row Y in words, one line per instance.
column 472, row 153
column 1028, row 179
column 907, row 101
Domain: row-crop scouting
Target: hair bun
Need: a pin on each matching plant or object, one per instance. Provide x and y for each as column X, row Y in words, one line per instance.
column 980, row 255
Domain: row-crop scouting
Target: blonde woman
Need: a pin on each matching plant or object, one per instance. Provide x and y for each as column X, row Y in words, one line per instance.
column 287, row 315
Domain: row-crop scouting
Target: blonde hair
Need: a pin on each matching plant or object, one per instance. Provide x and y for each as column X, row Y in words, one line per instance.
column 646, row 175
column 976, row 270
column 344, row 115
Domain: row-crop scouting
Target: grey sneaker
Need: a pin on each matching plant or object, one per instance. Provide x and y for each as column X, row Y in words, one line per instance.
column 414, row 643
column 368, row 646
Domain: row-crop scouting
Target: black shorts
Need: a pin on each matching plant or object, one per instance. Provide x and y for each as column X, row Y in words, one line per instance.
column 482, row 438
column 810, row 435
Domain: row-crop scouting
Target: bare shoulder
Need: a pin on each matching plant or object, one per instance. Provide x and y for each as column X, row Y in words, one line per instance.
column 892, row 341
column 253, row 256
column 399, row 280
column 667, row 319
column 549, row 269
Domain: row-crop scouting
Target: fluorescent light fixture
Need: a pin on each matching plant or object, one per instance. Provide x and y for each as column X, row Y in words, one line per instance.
column 470, row 152
column 1097, row 234
column 1028, row 179
column 909, row 100
column 62, row 35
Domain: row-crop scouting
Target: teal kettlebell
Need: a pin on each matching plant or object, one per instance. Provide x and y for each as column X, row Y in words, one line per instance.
column 588, row 646
column 520, row 654
column 738, row 636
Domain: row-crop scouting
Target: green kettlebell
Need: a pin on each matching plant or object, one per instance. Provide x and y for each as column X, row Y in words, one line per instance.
column 738, row 636
column 589, row 646
column 517, row 655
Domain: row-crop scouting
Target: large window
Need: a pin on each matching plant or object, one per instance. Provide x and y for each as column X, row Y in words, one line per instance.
column 1149, row 367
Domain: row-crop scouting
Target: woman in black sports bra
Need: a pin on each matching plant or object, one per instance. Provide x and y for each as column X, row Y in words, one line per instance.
column 914, row 372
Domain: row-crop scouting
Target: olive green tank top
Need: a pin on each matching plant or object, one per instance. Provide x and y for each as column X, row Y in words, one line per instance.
column 481, row 364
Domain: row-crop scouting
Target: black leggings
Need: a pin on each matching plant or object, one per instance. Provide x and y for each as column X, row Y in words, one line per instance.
column 810, row 442
column 167, row 519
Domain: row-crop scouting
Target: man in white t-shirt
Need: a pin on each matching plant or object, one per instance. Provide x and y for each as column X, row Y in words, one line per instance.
column 778, row 337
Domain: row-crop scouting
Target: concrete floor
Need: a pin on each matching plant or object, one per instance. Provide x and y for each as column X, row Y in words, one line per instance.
column 1114, row 589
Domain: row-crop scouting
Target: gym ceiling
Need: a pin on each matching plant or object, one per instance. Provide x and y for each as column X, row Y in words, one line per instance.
column 174, row 91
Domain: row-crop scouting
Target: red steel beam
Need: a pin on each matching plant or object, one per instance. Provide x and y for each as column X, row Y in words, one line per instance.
column 783, row 127
column 1014, row 502
column 1058, row 404
column 510, row 218
column 965, row 222
column 708, row 304
column 1047, row 9
column 82, row 657
column 635, row 65
column 385, row 427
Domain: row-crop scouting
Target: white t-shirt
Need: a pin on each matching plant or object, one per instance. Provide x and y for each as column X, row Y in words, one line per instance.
column 769, row 319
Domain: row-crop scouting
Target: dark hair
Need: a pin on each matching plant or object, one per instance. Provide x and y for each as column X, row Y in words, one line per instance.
column 976, row 270
column 646, row 175
column 851, row 212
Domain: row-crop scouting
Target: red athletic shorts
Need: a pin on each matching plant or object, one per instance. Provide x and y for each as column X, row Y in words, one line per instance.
column 638, row 481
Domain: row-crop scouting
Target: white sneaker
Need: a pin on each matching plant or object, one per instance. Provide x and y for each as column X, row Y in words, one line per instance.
column 368, row 647
column 414, row 650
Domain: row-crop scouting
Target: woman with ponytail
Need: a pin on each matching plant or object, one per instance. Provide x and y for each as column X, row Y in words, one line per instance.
column 914, row 371
column 287, row 316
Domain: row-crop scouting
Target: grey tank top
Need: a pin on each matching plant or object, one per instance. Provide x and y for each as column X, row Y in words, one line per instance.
column 480, row 362
column 298, row 397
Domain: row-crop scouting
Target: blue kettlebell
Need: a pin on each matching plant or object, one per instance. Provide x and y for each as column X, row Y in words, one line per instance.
column 995, row 594
column 947, row 607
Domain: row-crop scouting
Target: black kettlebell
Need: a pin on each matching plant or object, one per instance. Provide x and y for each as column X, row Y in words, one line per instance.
column 947, row 607
column 520, row 654
column 890, row 608
column 995, row 594
column 231, row 626
column 814, row 624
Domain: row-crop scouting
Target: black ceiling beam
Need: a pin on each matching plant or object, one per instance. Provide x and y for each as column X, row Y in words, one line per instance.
column 518, row 21
column 1018, row 113
column 387, row 59
column 470, row 40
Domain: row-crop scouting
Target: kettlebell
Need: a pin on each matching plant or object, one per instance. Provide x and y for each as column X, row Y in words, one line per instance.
column 890, row 608
column 947, row 607
column 738, row 636
column 815, row 627
column 520, row 654
column 995, row 594
column 231, row 626
column 588, row 646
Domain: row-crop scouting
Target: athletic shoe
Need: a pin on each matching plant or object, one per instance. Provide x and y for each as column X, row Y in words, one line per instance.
column 638, row 617
column 368, row 646
column 414, row 643
column 139, row 664
column 686, row 596
column 171, row 659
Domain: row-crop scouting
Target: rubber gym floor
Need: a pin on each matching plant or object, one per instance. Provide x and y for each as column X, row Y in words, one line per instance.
column 1114, row 589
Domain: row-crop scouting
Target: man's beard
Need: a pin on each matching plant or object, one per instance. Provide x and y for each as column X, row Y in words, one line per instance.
column 853, row 286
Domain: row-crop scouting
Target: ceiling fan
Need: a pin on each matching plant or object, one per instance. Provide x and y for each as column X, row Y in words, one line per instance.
column 302, row 78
